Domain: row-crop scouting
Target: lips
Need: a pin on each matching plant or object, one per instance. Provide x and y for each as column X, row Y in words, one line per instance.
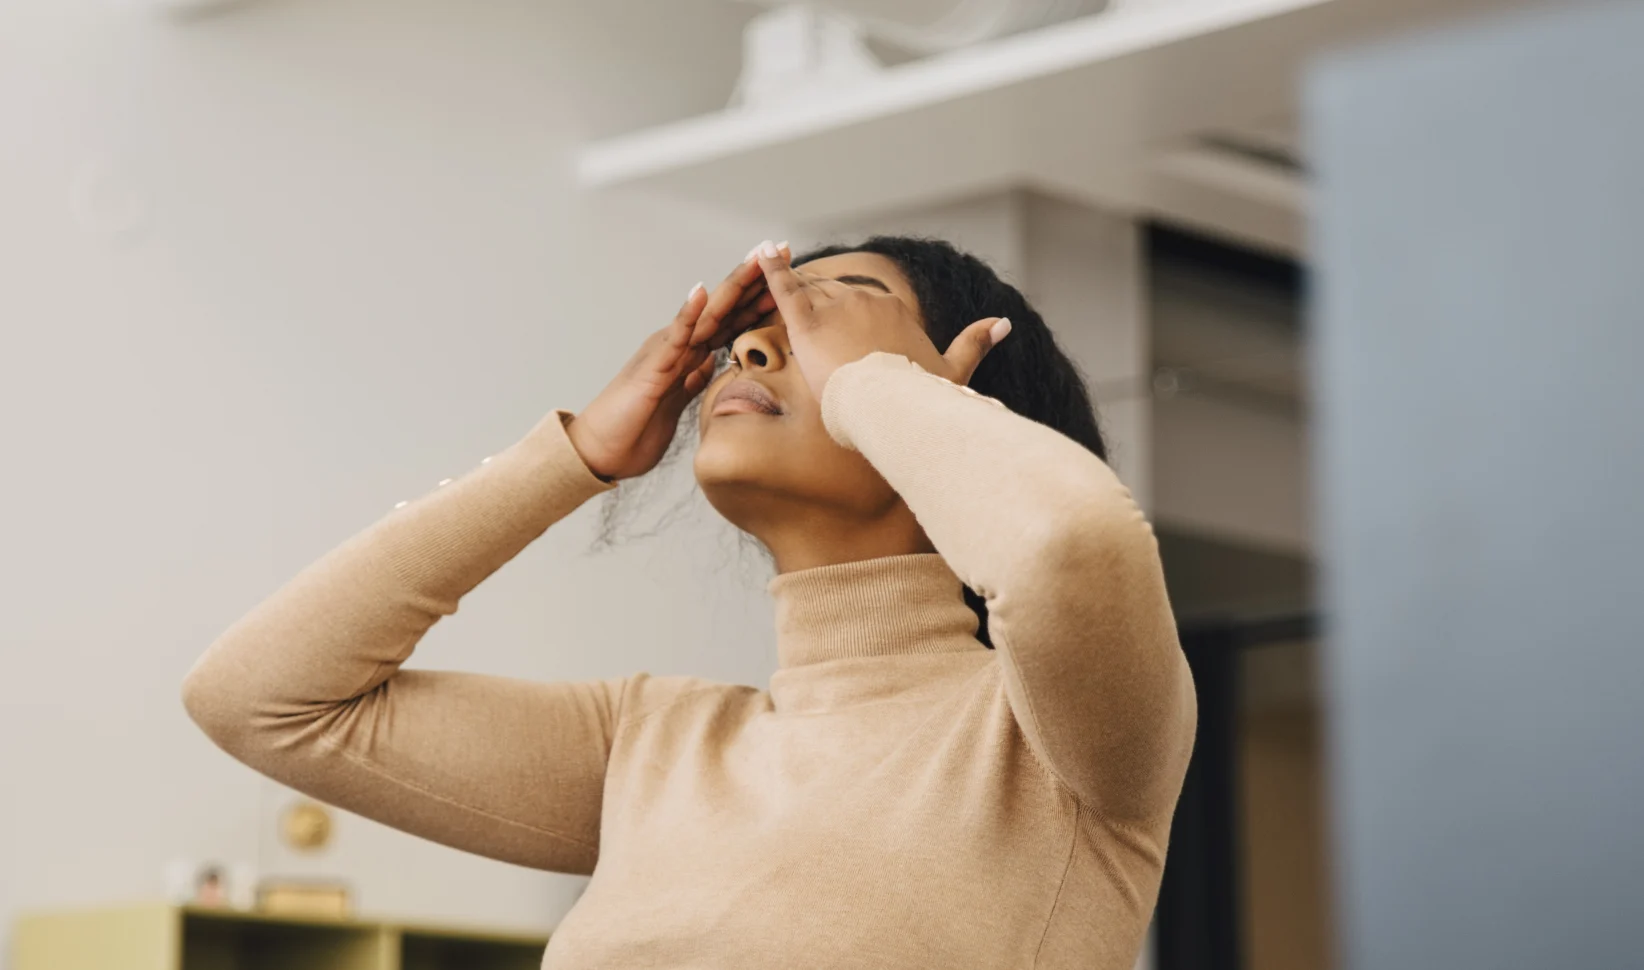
column 744, row 396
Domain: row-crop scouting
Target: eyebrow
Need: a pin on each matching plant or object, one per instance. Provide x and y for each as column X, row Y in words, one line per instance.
column 855, row 280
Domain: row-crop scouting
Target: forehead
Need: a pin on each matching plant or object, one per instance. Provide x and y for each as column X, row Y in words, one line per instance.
column 865, row 264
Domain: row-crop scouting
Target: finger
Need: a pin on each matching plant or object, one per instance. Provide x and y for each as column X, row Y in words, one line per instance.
column 685, row 389
column 724, row 297
column 741, row 287
column 747, row 316
column 791, row 294
column 685, row 319
column 965, row 354
column 825, row 291
column 757, row 287
column 698, row 378
column 720, row 303
column 661, row 354
column 728, row 335
column 754, row 291
column 741, row 320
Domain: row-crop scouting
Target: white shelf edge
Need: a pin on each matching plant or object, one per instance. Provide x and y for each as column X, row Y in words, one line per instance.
column 998, row 64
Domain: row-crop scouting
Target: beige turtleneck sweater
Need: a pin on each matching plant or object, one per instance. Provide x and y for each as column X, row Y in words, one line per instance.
column 899, row 797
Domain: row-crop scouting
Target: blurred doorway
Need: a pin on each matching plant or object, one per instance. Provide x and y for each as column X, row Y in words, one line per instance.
column 1246, row 880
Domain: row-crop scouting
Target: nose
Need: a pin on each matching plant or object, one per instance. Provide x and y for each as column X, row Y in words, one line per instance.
column 761, row 349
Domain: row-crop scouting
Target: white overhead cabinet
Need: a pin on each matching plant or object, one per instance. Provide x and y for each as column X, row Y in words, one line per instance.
column 1176, row 108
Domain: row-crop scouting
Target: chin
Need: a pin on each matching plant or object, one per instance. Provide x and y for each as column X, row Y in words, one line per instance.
column 733, row 456
column 738, row 486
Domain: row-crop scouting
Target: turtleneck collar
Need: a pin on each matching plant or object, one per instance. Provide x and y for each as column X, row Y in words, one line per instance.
column 893, row 606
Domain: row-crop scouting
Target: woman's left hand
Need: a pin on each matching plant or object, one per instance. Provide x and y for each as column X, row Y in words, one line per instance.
column 830, row 324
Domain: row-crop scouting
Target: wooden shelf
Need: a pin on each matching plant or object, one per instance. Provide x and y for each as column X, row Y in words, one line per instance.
column 1084, row 109
column 211, row 942
column 425, row 951
column 163, row 937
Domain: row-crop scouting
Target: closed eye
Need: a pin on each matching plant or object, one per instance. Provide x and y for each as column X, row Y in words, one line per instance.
column 868, row 281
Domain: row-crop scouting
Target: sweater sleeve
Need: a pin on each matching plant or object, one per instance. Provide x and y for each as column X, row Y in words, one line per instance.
column 307, row 687
column 1046, row 533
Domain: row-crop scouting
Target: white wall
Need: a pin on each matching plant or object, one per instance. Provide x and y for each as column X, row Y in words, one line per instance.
column 1227, row 464
column 261, row 276
column 1234, row 472
column 992, row 226
column 264, row 274
column 1086, row 273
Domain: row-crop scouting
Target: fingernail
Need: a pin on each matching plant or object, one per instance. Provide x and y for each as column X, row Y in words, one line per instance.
column 1000, row 330
column 751, row 254
column 692, row 295
column 783, row 245
column 768, row 250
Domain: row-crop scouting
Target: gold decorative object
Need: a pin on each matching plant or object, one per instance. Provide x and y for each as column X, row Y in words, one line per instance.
column 306, row 826
column 318, row 899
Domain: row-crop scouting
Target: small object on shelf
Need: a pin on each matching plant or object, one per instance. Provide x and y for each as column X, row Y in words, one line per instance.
column 799, row 50
column 286, row 897
column 929, row 26
column 211, row 886
column 190, row 882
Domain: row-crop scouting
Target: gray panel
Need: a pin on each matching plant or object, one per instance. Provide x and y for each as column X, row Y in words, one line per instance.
column 1481, row 335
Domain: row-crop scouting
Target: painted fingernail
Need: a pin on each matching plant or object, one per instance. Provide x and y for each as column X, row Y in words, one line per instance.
column 768, row 250
column 1000, row 330
column 692, row 295
column 752, row 255
column 783, row 245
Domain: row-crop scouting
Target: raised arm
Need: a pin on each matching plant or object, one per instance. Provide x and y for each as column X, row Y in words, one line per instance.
column 307, row 687
column 1028, row 518
column 1069, row 567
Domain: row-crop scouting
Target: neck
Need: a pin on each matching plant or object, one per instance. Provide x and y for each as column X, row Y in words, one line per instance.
column 897, row 605
column 804, row 536
column 815, row 549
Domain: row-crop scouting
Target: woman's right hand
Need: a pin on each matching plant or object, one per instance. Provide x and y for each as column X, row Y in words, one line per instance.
column 626, row 430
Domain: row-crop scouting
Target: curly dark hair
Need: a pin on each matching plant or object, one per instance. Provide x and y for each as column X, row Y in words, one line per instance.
column 1030, row 373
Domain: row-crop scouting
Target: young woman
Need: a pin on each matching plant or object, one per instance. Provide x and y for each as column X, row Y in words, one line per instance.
column 972, row 749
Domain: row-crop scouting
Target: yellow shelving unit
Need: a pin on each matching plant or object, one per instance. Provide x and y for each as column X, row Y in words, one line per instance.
column 164, row 937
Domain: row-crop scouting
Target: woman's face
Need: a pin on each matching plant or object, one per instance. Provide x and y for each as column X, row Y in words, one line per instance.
column 764, row 451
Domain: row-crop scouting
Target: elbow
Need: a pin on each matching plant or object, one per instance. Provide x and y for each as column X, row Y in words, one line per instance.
column 1094, row 539
column 197, row 696
column 213, row 705
column 1081, row 511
